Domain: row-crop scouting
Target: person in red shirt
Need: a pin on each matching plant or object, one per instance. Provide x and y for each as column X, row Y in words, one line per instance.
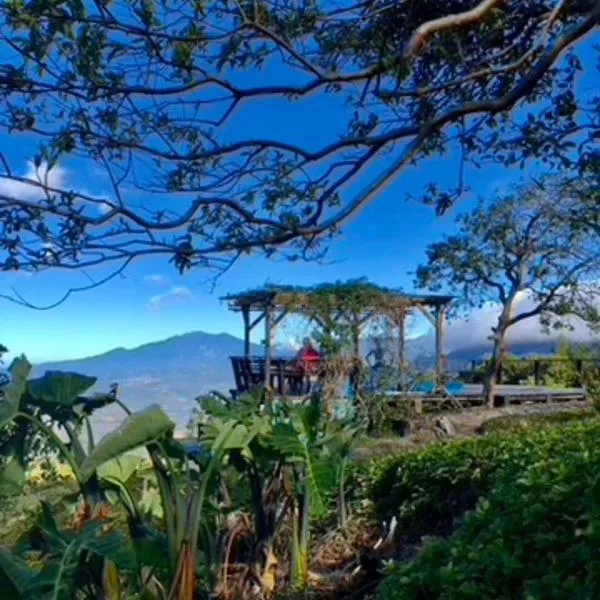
column 308, row 354
column 308, row 359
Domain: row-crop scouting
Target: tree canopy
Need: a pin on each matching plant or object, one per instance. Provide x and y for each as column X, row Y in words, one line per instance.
column 153, row 94
column 535, row 240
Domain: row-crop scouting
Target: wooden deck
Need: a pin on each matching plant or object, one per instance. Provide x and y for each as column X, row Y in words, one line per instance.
column 472, row 394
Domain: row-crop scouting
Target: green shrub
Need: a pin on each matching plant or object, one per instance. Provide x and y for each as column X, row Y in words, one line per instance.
column 427, row 490
column 520, row 423
column 534, row 536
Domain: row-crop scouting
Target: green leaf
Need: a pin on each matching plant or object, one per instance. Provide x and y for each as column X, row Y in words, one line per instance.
column 15, row 576
column 111, row 546
column 294, row 443
column 10, row 395
column 60, row 387
column 138, row 429
column 151, row 502
column 121, row 468
column 59, row 571
column 12, row 478
column 48, row 525
column 153, row 589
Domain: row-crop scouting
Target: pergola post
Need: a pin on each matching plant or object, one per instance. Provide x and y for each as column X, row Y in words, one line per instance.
column 268, row 333
column 246, row 317
column 356, row 340
column 357, row 322
column 402, row 348
column 439, row 344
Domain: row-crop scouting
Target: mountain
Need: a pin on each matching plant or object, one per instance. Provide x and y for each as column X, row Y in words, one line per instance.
column 170, row 372
column 523, row 349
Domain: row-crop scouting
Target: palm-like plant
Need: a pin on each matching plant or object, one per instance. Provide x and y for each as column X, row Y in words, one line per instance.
column 290, row 456
column 33, row 411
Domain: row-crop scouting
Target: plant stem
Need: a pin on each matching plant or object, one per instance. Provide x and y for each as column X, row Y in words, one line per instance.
column 59, row 443
column 180, row 511
column 90, row 434
column 342, row 496
column 123, row 406
column 165, row 485
column 304, row 536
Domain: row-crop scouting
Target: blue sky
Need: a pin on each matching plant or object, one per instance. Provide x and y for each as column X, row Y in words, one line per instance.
column 384, row 242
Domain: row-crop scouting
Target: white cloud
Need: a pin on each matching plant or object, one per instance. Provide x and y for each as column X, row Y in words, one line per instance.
column 53, row 178
column 476, row 329
column 157, row 278
column 104, row 207
column 177, row 292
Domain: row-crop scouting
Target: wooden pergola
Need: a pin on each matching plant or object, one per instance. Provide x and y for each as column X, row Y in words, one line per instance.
column 271, row 304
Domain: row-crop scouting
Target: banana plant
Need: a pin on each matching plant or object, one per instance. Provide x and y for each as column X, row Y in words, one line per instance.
column 65, row 574
column 312, row 446
column 290, row 456
column 33, row 411
column 187, row 477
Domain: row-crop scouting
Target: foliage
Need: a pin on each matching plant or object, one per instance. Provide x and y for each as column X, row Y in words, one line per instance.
column 529, row 252
column 85, row 562
column 387, row 415
column 580, row 366
column 571, row 366
column 408, row 82
column 55, row 401
column 524, row 423
column 515, row 371
column 292, row 468
column 523, row 240
column 533, row 536
column 293, row 460
column 65, row 555
column 427, row 490
column 140, row 429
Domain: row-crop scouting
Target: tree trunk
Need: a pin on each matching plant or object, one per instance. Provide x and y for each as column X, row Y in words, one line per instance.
column 499, row 349
column 498, row 354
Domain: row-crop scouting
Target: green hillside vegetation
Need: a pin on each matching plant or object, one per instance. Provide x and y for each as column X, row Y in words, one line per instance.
column 262, row 491
column 522, row 512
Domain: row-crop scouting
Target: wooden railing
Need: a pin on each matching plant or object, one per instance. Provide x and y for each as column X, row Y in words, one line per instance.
column 285, row 375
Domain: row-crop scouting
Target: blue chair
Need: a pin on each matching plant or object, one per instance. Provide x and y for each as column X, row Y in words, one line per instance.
column 455, row 387
column 427, row 387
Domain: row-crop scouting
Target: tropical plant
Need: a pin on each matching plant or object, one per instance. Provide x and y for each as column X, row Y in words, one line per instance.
column 71, row 558
column 184, row 476
column 36, row 409
column 294, row 460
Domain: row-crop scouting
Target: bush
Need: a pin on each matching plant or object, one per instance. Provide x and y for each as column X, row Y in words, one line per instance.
column 534, row 536
column 521, row 423
column 427, row 490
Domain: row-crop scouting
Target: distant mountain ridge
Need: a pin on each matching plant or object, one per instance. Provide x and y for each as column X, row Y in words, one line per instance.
column 170, row 372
